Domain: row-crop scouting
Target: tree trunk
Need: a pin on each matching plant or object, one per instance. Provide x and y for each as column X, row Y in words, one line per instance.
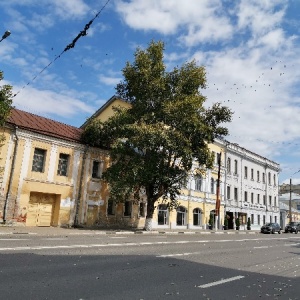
column 148, row 224
column 149, row 217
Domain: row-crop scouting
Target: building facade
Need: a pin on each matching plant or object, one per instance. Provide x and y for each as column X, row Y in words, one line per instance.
column 51, row 178
column 251, row 187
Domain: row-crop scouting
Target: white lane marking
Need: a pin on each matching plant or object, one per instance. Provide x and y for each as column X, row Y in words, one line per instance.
column 204, row 286
column 14, row 239
column 261, row 247
column 122, row 245
column 54, row 239
column 179, row 254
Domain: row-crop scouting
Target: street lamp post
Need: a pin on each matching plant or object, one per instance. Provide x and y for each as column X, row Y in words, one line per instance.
column 5, row 35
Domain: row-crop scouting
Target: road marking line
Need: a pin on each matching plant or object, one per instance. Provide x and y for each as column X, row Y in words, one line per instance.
column 204, row 286
column 261, row 247
column 14, row 239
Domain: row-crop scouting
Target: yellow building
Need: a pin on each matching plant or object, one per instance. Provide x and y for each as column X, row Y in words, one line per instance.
column 51, row 178
column 197, row 201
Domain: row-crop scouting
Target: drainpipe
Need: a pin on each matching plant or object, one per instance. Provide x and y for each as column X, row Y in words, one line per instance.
column 77, row 204
column 11, row 176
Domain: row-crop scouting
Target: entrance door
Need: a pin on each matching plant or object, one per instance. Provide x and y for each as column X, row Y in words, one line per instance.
column 40, row 209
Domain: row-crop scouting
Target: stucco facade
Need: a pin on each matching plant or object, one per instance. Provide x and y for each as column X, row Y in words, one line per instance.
column 51, row 178
column 251, row 187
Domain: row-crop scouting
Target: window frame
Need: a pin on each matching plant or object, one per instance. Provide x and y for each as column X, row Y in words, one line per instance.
column 63, row 164
column 39, row 158
column 97, row 173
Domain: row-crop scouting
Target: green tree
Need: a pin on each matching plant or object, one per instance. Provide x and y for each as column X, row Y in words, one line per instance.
column 6, row 97
column 155, row 143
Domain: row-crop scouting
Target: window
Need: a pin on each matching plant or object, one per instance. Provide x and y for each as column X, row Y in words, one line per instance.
column 38, row 160
column 235, row 194
column 215, row 157
column 246, row 172
column 228, row 192
column 275, row 219
column 269, row 178
column 181, row 216
column 197, row 217
column 111, row 207
column 246, row 196
column 275, row 201
column 270, row 200
column 218, row 158
column 252, row 219
column 252, row 174
column 63, row 163
column 263, row 177
column 235, row 167
column 274, row 179
column 228, row 165
column 258, row 198
column 264, row 200
column 198, row 183
column 162, row 214
column 142, row 209
column 212, row 185
column 127, row 208
column 97, row 169
column 258, row 179
column 258, row 219
column 252, row 198
column 264, row 219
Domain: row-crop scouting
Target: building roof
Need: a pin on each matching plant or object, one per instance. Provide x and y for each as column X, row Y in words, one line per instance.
column 38, row 124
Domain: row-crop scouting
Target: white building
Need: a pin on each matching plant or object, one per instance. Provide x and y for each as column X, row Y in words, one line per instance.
column 251, row 187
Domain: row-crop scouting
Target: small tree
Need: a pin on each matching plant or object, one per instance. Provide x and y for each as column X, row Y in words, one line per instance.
column 155, row 142
column 248, row 224
column 5, row 106
column 237, row 223
column 225, row 223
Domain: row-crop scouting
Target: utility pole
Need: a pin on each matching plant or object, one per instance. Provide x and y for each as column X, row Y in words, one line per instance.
column 290, row 202
column 217, row 210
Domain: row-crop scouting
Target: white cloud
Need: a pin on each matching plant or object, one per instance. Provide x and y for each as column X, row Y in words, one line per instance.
column 260, row 16
column 109, row 80
column 70, row 8
column 44, row 102
column 169, row 17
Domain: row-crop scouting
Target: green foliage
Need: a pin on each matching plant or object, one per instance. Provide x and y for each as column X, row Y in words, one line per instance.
column 248, row 222
column 211, row 220
column 154, row 143
column 5, row 101
column 237, row 222
column 5, row 106
column 225, row 221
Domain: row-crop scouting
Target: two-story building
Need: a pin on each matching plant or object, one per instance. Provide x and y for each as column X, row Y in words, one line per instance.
column 51, row 178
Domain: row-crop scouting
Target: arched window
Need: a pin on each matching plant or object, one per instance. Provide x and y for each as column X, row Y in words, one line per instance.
column 181, row 216
column 163, row 214
column 198, row 183
column 197, row 217
column 228, row 165
column 212, row 185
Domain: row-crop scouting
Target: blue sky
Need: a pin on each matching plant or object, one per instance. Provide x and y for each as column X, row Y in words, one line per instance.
column 250, row 49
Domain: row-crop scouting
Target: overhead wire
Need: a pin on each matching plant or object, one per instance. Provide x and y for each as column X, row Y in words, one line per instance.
column 82, row 33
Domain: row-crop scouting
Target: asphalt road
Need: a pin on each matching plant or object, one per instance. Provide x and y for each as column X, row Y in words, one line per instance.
column 89, row 265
